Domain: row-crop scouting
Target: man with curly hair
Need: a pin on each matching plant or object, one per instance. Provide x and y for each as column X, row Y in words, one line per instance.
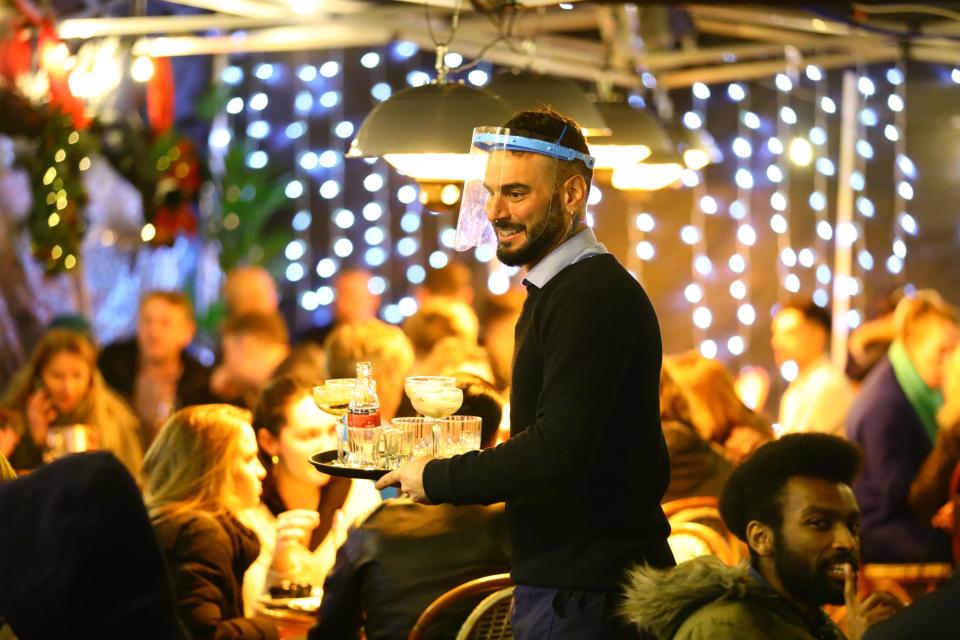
column 792, row 503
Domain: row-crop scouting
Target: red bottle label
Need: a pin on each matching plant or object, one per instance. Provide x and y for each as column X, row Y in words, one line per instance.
column 356, row 419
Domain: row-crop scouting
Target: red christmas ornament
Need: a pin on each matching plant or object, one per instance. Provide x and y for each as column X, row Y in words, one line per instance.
column 160, row 96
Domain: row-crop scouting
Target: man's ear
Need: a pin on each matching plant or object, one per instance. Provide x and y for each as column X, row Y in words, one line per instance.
column 575, row 192
column 760, row 538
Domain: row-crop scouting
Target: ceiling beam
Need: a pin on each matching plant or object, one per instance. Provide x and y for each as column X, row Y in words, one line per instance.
column 83, row 28
column 753, row 70
column 243, row 8
column 275, row 39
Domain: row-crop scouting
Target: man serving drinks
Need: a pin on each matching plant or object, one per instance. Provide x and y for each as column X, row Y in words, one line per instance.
column 586, row 465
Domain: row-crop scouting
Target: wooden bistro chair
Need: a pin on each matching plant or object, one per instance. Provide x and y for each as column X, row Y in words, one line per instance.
column 704, row 511
column 489, row 620
column 689, row 540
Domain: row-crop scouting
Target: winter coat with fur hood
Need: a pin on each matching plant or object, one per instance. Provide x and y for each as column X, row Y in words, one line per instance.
column 704, row 599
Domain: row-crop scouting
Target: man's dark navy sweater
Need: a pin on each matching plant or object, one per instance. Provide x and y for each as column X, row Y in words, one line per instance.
column 586, row 465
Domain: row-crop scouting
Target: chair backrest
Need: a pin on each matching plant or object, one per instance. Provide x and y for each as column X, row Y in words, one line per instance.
column 675, row 507
column 490, row 620
column 689, row 540
column 479, row 586
column 704, row 510
column 906, row 581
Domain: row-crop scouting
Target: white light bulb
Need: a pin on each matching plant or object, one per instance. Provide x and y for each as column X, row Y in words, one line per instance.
column 645, row 222
column 789, row 370
column 778, row 201
column 703, row 265
column 778, row 223
column 825, row 230
column 645, row 250
column 908, row 223
column 737, row 210
column 735, row 345
column 702, row 317
column 708, row 205
column 692, row 120
column 738, row 290
column 708, row 349
column 294, row 272
column 693, row 293
column 744, row 179
column 326, row 267
column 801, row 153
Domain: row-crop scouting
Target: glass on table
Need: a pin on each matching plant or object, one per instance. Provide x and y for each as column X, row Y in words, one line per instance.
column 421, row 434
column 333, row 397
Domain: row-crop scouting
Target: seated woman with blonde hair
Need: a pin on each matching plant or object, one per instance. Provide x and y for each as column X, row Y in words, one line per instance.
column 62, row 386
column 200, row 472
column 303, row 514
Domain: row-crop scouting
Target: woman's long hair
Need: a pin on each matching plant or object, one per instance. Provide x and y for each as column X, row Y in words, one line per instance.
column 189, row 467
column 712, row 402
column 100, row 408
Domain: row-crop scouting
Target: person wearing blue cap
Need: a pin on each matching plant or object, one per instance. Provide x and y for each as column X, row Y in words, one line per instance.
column 586, row 466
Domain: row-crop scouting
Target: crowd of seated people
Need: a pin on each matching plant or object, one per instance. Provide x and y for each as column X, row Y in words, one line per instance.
column 236, row 507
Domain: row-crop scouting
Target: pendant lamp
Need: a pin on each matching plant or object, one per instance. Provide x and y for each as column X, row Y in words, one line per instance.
column 635, row 135
column 529, row 90
column 425, row 132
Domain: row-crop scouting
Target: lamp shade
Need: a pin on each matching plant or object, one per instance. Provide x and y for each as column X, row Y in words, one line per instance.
column 528, row 90
column 658, row 171
column 425, row 132
column 635, row 134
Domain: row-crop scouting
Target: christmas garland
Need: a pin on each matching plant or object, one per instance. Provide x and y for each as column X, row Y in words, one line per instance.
column 56, row 155
column 165, row 169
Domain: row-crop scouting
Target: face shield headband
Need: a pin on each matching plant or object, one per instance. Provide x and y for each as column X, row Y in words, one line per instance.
column 473, row 227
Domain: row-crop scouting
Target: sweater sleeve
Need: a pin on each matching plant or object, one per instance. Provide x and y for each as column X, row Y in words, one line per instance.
column 589, row 337
column 201, row 567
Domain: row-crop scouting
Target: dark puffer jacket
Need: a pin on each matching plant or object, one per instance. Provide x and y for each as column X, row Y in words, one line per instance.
column 207, row 557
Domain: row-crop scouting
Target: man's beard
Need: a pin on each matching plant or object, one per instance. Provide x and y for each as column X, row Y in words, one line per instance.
column 541, row 238
column 807, row 583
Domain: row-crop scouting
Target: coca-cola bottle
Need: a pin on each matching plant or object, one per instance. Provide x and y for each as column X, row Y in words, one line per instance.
column 364, row 404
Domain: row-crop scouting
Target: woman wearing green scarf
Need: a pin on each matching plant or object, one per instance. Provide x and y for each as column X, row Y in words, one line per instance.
column 894, row 420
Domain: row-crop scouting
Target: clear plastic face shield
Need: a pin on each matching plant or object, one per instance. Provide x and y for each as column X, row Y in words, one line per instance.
column 499, row 166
